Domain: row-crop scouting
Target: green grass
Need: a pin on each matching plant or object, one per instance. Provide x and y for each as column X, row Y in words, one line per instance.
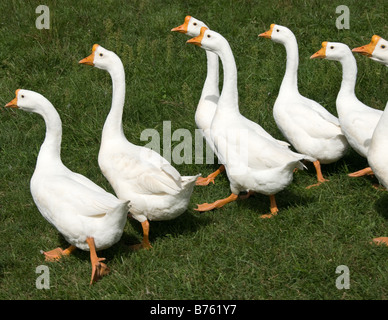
column 227, row 254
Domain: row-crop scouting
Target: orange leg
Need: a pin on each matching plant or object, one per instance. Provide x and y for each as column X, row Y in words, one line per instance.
column 99, row 269
column 58, row 253
column 273, row 206
column 364, row 172
column 217, row 204
column 210, row 178
column 381, row 240
column 145, row 244
column 320, row 177
column 246, row 196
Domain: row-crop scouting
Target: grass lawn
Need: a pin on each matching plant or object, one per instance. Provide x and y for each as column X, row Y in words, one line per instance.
column 229, row 253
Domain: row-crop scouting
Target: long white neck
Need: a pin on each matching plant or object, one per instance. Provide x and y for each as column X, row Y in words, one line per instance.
column 290, row 79
column 229, row 95
column 114, row 123
column 50, row 151
column 210, row 87
column 349, row 75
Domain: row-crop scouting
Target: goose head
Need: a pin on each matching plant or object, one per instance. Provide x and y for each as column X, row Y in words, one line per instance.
column 332, row 51
column 27, row 100
column 100, row 58
column 278, row 34
column 191, row 27
column 208, row 40
column 377, row 50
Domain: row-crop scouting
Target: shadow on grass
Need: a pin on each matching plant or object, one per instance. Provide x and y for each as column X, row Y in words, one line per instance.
column 284, row 200
column 381, row 204
column 186, row 223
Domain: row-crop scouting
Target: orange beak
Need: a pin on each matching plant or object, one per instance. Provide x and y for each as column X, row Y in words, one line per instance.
column 321, row 53
column 197, row 40
column 14, row 102
column 368, row 49
column 89, row 60
column 183, row 28
column 268, row 33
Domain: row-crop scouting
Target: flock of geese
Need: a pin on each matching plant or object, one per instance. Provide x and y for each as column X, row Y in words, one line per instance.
column 148, row 187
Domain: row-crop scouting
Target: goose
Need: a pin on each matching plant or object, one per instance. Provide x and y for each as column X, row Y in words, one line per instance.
column 156, row 189
column 210, row 94
column 253, row 162
column 377, row 50
column 307, row 125
column 88, row 217
column 358, row 121
column 378, row 157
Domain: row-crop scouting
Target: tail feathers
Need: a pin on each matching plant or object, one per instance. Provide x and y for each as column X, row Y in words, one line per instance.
column 123, row 206
column 309, row 158
column 188, row 180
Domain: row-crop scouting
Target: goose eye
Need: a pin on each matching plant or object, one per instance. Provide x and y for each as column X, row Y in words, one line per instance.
column 208, row 36
column 22, row 95
column 332, row 47
column 277, row 30
column 194, row 23
column 382, row 46
column 101, row 54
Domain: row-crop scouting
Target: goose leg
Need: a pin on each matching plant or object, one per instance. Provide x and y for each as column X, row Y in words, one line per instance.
column 273, row 206
column 58, row 253
column 210, row 178
column 360, row 173
column 217, row 204
column 145, row 244
column 381, row 240
column 99, row 269
column 320, row 177
column 246, row 196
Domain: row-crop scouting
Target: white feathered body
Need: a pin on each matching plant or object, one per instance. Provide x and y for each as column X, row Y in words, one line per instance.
column 378, row 150
column 309, row 127
column 156, row 189
column 252, row 161
column 78, row 208
column 358, row 122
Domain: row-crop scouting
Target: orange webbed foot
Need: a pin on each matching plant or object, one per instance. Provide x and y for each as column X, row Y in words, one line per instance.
column 210, row 178
column 58, row 253
column 273, row 213
column 140, row 246
column 317, row 184
column 274, row 208
column 205, row 207
column 99, row 270
column 381, row 240
column 204, row 181
column 53, row 255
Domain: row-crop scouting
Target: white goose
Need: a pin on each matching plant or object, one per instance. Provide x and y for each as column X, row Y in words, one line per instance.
column 156, row 189
column 253, row 162
column 308, row 126
column 378, row 157
column 377, row 50
column 86, row 215
column 210, row 93
column 358, row 121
